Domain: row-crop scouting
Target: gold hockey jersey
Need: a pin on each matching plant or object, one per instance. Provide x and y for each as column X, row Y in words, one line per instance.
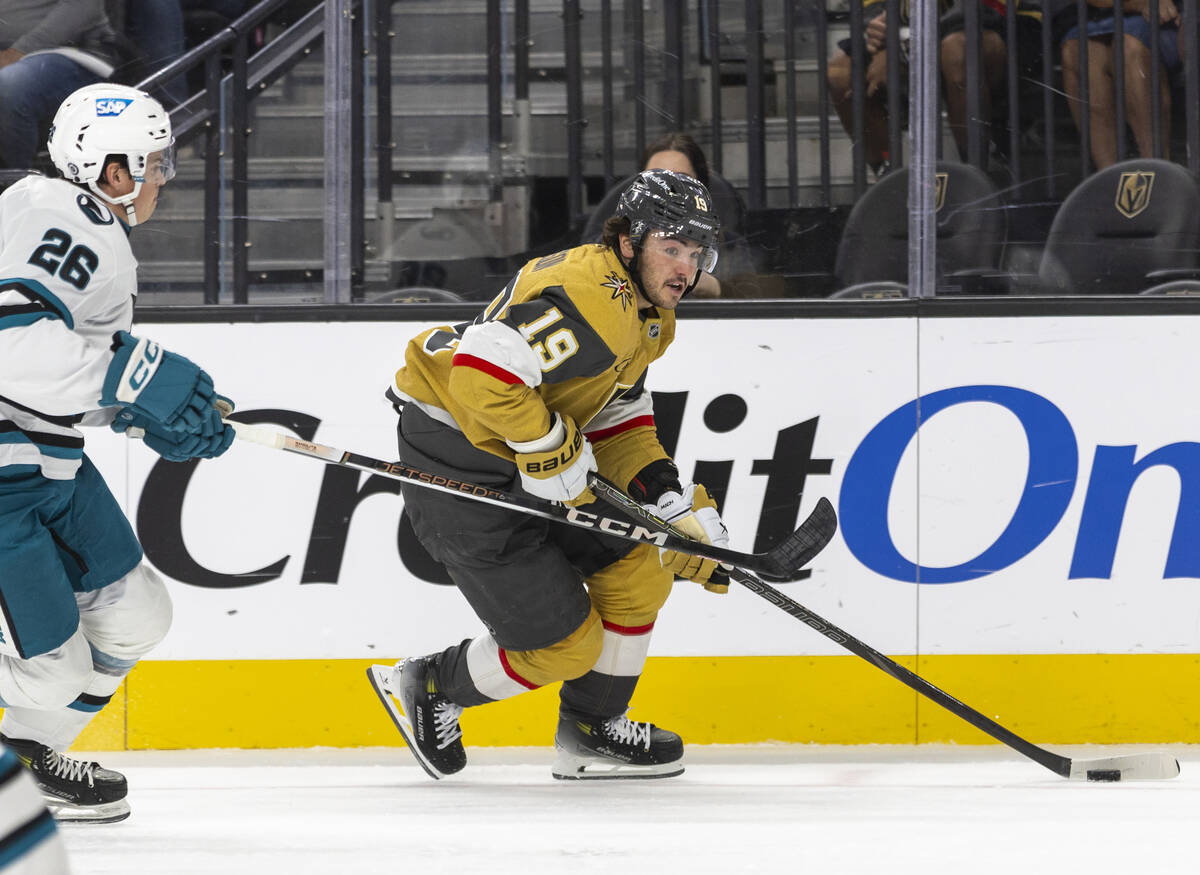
column 564, row 335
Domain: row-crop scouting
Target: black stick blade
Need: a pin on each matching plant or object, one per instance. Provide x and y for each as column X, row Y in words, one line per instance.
column 801, row 546
column 1153, row 766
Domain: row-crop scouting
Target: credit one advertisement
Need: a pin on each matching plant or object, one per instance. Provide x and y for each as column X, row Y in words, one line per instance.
column 1004, row 486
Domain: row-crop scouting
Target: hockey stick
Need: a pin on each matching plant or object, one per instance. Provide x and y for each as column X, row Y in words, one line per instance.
column 1129, row 767
column 781, row 563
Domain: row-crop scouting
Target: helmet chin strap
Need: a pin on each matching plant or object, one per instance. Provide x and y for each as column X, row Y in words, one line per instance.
column 633, row 269
column 125, row 200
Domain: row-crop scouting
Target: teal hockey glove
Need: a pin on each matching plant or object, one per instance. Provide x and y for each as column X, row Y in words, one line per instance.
column 174, row 446
column 161, row 386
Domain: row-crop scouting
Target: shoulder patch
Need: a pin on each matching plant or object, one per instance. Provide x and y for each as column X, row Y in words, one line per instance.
column 622, row 289
column 97, row 213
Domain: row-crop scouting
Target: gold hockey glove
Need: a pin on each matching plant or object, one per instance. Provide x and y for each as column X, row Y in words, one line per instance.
column 556, row 465
column 694, row 513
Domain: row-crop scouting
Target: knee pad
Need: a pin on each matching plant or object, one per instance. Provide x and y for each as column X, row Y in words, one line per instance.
column 50, row 680
column 126, row 629
column 569, row 658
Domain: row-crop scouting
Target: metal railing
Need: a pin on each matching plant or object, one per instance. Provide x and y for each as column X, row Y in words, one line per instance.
column 224, row 104
column 595, row 134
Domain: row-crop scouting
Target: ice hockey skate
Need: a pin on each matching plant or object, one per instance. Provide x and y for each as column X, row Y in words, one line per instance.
column 425, row 717
column 75, row 791
column 597, row 748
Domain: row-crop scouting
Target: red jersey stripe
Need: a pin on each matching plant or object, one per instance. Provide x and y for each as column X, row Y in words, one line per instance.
column 512, row 673
column 463, row 360
column 613, row 430
column 628, row 630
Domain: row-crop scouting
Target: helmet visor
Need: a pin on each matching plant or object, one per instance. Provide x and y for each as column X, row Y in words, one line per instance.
column 160, row 166
column 690, row 254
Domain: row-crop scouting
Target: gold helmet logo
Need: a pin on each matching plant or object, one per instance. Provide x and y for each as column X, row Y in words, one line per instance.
column 1133, row 192
column 701, row 203
column 943, row 181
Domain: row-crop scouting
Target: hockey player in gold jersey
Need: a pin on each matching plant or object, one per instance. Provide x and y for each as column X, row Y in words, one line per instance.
column 544, row 387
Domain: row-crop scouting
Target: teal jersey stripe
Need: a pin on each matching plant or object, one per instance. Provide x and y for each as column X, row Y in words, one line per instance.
column 17, row 437
column 25, row 319
column 43, row 294
column 25, row 838
column 8, row 760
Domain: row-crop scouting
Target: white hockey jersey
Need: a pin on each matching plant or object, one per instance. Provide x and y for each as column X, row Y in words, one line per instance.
column 67, row 284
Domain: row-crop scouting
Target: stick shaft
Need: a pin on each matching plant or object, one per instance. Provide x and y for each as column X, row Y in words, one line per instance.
column 1056, row 763
column 640, row 532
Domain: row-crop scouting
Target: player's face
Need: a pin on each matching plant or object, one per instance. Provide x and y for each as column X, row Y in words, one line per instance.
column 160, row 167
column 668, row 266
column 117, row 182
column 146, row 201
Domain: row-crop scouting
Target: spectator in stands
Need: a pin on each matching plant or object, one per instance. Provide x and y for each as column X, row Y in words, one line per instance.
column 48, row 49
column 1102, row 97
column 681, row 153
column 156, row 28
column 159, row 29
column 951, row 28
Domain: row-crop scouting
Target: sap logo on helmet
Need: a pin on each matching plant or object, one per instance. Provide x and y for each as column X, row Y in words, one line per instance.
column 110, row 106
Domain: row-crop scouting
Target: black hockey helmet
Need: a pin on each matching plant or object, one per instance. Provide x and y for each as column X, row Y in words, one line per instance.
column 675, row 204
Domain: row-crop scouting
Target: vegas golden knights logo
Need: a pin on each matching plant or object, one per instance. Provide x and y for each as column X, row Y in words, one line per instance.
column 1133, row 192
column 943, row 182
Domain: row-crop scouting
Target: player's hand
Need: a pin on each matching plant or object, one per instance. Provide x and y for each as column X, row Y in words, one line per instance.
column 556, row 465
column 694, row 513
column 161, row 386
column 174, row 446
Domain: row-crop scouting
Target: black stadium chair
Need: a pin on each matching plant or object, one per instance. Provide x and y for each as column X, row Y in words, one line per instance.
column 1132, row 228
column 872, row 257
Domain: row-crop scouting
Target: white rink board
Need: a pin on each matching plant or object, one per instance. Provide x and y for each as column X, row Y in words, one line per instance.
column 1116, row 381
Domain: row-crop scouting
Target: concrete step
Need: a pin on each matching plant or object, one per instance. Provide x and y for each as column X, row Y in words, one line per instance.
column 418, row 129
column 422, row 27
column 438, row 80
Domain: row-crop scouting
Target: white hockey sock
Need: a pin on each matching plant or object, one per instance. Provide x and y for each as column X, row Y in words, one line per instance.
column 59, row 728
column 490, row 672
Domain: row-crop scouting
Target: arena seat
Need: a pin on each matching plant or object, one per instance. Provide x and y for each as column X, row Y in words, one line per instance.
column 1132, row 228
column 971, row 227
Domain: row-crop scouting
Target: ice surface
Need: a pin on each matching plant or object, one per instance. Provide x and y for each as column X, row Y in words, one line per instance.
column 793, row 809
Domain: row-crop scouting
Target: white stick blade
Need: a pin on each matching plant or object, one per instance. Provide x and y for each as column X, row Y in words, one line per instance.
column 1132, row 767
column 268, row 437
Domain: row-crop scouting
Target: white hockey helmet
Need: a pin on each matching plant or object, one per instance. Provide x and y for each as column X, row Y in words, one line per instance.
column 108, row 119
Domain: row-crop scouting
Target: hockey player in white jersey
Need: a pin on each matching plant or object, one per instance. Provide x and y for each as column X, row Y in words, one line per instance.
column 29, row 842
column 78, row 605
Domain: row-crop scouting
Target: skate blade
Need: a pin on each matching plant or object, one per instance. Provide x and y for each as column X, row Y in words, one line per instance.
column 66, row 812
column 378, row 675
column 570, row 767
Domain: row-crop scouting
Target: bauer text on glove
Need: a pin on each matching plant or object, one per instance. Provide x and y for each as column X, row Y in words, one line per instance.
column 556, row 465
